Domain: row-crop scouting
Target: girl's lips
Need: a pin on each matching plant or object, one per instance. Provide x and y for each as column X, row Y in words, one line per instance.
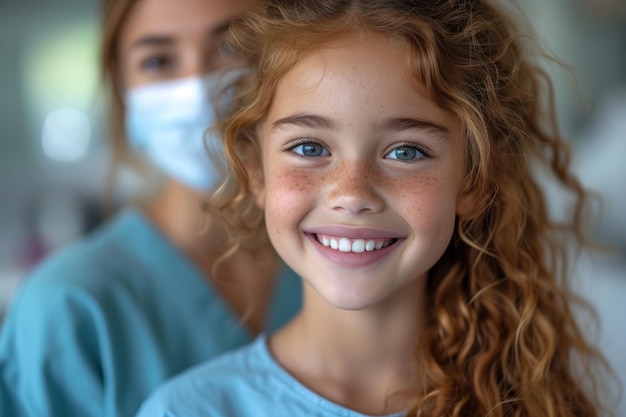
column 353, row 252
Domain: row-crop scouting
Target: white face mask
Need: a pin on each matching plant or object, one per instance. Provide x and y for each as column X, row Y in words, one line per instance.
column 169, row 122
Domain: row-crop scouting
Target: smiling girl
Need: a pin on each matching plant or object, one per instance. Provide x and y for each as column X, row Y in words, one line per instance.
column 387, row 146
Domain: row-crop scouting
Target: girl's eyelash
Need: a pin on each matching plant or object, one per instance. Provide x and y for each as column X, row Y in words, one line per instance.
column 307, row 149
column 427, row 152
column 302, row 141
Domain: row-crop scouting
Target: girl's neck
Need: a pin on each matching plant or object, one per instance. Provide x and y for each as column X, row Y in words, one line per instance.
column 355, row 358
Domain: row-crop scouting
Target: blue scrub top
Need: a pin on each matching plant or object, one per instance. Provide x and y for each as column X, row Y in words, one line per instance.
column 241, row 383
column 98, row 326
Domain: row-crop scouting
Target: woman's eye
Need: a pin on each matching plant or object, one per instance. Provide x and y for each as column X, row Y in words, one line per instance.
column 310, row 150
column 405, row 153
column 156, row 63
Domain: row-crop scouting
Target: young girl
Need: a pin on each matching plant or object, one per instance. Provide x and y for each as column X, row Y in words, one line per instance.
column 389, row 145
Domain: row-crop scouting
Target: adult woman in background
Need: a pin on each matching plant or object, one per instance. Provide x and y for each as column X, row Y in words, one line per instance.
column 99, row 325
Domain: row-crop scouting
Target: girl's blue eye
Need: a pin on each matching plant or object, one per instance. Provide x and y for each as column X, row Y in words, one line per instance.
column 310, row 150
column 405, row 153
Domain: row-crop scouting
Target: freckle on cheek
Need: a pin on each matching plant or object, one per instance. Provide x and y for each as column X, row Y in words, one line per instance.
column 295, row 182
column 430, row 181
column 420, row 186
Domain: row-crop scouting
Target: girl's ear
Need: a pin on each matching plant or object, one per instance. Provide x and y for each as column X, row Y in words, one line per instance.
column 256, row 178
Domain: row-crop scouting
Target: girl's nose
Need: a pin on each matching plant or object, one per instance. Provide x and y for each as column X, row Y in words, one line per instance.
column 355, row 189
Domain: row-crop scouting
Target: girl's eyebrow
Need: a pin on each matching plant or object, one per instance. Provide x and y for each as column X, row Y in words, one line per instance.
column 307, row 120
column 408, row 123
column 395, row 124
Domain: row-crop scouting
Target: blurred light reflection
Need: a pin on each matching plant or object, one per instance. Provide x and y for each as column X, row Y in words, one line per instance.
column 66, row 134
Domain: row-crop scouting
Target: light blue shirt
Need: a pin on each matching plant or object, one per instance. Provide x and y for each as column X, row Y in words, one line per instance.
column 96, row 328
column 247, row 382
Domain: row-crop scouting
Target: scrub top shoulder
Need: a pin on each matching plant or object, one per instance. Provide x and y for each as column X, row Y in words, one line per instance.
column 245, row 382
column 99, row 325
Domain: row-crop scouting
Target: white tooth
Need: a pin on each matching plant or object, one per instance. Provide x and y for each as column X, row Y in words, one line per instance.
column 334, row 244
column 325, row 241
column 370, row 246
column 379, row 245
column 358, row 246
column 344, row 245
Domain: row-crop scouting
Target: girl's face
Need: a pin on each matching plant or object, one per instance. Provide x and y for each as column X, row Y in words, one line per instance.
column 164, row 39
column 361, row 172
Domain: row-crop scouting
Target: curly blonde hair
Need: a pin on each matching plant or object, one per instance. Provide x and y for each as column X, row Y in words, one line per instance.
column 500, row 338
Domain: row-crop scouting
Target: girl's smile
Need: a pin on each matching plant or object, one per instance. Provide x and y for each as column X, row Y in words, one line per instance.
column 361, row 172
column 353, row 247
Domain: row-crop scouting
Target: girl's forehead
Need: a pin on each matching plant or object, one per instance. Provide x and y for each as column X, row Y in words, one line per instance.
column 354, row 52
column 363, row 58
column 358, row 78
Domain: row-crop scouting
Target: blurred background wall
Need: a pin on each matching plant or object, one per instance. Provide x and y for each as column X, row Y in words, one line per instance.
column 53, row 159
column 590, row 36
column 51, row 156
